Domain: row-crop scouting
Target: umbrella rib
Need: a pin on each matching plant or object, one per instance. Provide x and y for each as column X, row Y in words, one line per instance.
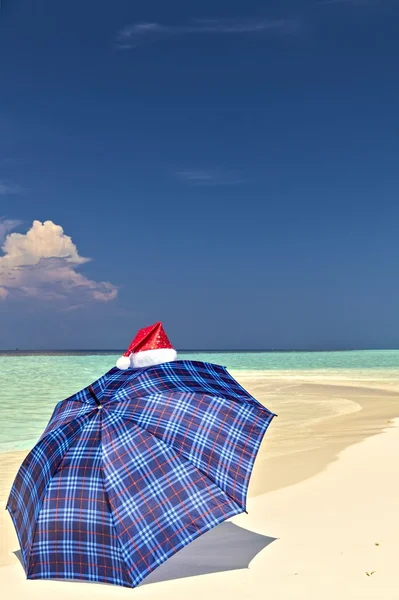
column 93, row 395
column 74, row 418
column 244, row 398
column 181, row 455
column 29, row 552
column 123, row 553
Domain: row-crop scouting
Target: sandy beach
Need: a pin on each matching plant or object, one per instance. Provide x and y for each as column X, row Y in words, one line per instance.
column 322, row 519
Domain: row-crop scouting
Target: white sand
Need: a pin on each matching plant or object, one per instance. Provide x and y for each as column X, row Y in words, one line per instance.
column 313, row 540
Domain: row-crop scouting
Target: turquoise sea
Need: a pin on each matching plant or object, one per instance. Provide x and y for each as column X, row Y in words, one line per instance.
column 32, row 383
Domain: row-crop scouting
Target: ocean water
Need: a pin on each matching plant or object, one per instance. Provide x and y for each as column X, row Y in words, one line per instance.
column 31, row 384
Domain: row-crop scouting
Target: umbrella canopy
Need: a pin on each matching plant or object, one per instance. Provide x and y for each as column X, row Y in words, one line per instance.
column 132, row 469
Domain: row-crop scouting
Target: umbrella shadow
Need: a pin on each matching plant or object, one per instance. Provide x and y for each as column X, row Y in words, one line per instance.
column 18, row 554
column 227, row 547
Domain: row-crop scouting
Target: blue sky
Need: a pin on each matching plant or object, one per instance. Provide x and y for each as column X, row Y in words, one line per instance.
column 228, row 168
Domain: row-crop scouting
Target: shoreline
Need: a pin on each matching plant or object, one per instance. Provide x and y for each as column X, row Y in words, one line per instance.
column 383, row 379
column 362, row 412
column 277, row 379
column 297, row 445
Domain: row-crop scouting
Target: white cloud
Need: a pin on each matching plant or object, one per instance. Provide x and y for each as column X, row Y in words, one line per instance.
column 202, row 177
column 7, row 187
column 42, row 264
column 352, row 2
column 7, row 225
column 138, row 33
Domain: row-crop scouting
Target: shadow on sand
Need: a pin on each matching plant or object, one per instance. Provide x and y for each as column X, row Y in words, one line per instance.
column 224, row 548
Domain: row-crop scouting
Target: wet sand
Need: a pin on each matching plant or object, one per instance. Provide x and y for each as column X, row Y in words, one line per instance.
column 315, row 422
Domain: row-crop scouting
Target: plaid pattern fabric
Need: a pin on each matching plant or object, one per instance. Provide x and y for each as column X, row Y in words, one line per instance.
column 75, row 536
column 110, row 492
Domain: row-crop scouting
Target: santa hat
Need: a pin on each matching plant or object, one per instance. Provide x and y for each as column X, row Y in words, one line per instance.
column 150, row 347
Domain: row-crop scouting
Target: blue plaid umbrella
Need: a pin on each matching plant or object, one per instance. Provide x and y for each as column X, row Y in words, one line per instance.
column 132, row 469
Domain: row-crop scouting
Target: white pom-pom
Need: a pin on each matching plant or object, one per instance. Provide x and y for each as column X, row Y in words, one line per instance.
column 123, row 363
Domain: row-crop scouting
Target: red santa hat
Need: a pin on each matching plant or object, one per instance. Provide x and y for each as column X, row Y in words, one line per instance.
column 151, row 346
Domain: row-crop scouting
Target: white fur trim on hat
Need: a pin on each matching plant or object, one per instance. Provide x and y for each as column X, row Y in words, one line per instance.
column 147, row 358
column 123, row 363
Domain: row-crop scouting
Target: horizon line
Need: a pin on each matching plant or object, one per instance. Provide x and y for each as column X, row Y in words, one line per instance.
column 199, row 350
